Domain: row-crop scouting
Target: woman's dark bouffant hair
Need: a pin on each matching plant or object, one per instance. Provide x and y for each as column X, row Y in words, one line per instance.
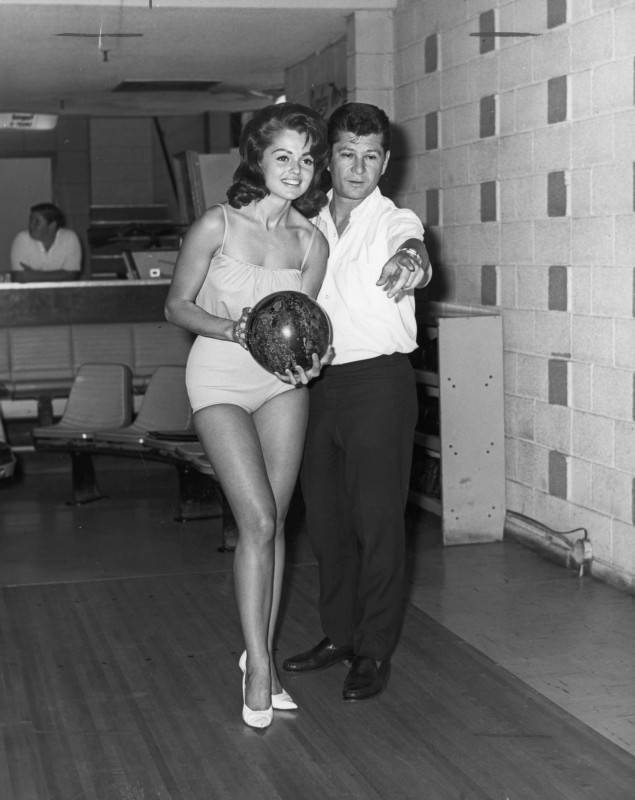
column 249, row 182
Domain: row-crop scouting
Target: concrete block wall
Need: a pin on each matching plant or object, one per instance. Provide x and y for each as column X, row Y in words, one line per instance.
column 520, row 154
column 369, row 58
column 361, row 64
column 326, row 68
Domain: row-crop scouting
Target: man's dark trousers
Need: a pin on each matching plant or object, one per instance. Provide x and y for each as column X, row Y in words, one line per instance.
column 355, row 478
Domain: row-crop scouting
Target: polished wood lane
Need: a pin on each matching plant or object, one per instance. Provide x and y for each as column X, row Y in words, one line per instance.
column 128, row 689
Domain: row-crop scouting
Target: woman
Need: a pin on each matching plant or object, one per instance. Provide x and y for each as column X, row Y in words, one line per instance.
column 251, row 423
column 48, row 250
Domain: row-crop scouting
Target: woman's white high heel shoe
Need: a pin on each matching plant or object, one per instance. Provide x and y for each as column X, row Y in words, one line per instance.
column 256, row 719
column 282, row 701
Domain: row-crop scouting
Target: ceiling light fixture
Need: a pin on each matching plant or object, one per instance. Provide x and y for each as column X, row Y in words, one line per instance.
column 100, row 39
column 99, row 35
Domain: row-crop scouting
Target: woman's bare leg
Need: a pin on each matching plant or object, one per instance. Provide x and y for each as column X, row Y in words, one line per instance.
column 231, row 442
column 281, row 426
column 256, row 459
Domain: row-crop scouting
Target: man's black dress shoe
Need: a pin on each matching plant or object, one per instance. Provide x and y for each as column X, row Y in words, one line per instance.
column 365, row 679
column 323, row 655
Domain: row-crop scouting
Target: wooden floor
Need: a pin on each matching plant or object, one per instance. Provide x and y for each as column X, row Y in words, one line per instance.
column 570, row 638
column 119, row 643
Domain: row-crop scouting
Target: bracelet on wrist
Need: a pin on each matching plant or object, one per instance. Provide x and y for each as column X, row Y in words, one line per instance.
column 239, row 332
column 412, row 253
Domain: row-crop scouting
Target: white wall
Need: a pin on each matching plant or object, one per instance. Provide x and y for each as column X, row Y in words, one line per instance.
column 569, row 347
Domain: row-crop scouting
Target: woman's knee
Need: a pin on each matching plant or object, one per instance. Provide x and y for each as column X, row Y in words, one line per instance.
column 258, row 526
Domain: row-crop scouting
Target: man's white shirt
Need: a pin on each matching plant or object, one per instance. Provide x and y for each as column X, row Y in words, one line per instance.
column 65, row 252
column 366, row 322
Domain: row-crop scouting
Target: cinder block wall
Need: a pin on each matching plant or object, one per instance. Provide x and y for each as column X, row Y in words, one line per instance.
column 521, row 154
column 518, row 152
column 327, row 68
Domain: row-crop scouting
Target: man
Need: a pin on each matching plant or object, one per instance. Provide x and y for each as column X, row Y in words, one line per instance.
column 47, row 251
column 363, row 410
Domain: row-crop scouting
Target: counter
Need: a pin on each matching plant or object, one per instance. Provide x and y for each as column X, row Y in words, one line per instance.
column 82, row 302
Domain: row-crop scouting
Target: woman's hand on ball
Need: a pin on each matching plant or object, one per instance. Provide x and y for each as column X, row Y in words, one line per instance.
column 239, row 328
column 300, row 377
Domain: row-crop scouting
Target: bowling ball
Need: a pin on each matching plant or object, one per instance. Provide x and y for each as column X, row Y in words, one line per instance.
column 284, row 329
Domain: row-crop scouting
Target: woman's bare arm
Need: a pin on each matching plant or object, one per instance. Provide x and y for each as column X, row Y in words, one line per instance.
column 201, row 242
column 315, row 266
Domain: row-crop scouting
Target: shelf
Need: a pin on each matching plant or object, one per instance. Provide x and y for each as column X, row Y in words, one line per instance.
column 460, row 389
column 430, row 442
column 440, row 309
column 426, row 377
column 425, row 502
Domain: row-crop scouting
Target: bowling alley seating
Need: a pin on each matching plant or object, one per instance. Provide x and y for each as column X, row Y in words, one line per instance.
column 193, row 454
column 98, row 421
column 39, row 362
column 7, row 457
column 100, row 398
column 165, row 406
column 199, row 493
column 7, row 461
column 163, row 424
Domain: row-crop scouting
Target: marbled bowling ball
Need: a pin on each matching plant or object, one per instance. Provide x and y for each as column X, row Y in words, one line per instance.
column 284, row 329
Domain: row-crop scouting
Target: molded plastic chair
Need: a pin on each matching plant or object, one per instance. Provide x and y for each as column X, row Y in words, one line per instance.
column 200, row 496
column 7, row 461
column 7, row 458
column 165, row 407
column 100, row 399
column 193, row 453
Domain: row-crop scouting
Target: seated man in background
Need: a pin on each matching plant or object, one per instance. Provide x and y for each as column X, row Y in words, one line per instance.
column 47, row 251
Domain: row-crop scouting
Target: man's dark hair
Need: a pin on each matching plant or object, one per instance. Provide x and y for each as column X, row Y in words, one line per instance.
column 362, row 119
column 50, row 212
column 249, row 182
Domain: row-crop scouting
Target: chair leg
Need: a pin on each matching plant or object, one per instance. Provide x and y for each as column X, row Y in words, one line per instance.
column 198, row 496
column 44, row 410
column 230, row 529
column 85, row 488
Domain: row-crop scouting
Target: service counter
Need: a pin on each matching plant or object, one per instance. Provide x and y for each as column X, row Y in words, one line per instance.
column 47, row 330
column 77, row 302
